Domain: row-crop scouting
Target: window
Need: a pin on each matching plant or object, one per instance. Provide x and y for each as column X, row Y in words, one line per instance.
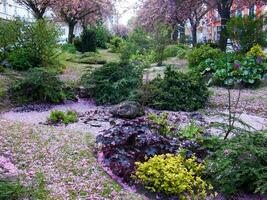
column 4, row 5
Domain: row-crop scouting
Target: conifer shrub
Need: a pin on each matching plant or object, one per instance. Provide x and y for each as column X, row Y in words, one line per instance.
column 39, row 85
column 112, row 83
column 177, row 92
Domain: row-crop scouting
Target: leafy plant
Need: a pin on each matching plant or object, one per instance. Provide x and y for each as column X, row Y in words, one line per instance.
column 201, row 54
column 178, row 91
column 173, row 174
column 39, row 85
column 160, row 123
column 112, row 83
column 135, row 141
column 191, row 131
column 57, row 116
column 239, row 164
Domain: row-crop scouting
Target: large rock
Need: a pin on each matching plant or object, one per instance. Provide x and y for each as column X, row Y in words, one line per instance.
column 127, row 110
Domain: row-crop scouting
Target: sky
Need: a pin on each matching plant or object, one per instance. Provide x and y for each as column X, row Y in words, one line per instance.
column 126, row 10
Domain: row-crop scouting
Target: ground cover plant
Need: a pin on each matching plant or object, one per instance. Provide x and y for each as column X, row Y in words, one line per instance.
column 177, row 91
column 112, row 83
column 88, row 58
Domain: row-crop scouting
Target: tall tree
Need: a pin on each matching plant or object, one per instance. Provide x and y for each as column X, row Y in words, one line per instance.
column 73, row 12
column 38, row 7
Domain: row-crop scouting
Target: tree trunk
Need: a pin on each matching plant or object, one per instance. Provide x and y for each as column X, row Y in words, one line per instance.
column 225, row 13
column 182, row 33
column 71, row 33
column 175, row 34
column 194, row 34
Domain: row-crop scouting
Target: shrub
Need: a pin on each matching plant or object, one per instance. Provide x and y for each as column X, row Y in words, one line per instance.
column 112, row 83
column 178, row 91
column 239, row 164
column 2, row 69
column 142, row 61
column 57, row 116
column 89, row 58
column 199, row 55
column 9, row 32
column 102, row 36
column 161, row 38
column 70, row 48
column 35, row 46
column 256, row 51
column 116, row 44
column 39, row 85
column 160, row 123
column 138, row 43
column 87, row 42
column 247, row 32
column 134, row 141
column 171, row 51
column 174, row 174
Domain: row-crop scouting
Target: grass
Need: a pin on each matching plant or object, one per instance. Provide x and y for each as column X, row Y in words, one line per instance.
column 62, row 161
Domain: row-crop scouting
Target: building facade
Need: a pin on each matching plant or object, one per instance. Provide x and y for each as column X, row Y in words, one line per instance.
column 11, row 9
column 210, row 26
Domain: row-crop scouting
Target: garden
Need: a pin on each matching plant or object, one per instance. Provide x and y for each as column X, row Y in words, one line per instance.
column 132, row 113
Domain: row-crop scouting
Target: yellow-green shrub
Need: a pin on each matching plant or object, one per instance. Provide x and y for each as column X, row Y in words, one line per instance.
column 174, row 175
column 256, row 51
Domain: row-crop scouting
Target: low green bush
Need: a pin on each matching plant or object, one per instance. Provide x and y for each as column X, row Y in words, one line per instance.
column 239, row 164
column 39, row 85
column 171, row 51
column 174, row 175
column 116, row 44
column 2, row 69
column 57, row 116
column 70, row 48
column 201, row 54
column 177, row 91
column 112, row 83
column 102, row 36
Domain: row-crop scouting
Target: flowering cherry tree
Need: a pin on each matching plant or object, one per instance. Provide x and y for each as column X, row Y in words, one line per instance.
column 81, row 11
column 38, row 7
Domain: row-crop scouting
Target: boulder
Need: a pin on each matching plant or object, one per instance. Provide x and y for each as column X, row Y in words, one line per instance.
column 127, row 110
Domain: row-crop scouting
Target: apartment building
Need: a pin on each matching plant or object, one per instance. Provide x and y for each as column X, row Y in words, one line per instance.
column 210, row 26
